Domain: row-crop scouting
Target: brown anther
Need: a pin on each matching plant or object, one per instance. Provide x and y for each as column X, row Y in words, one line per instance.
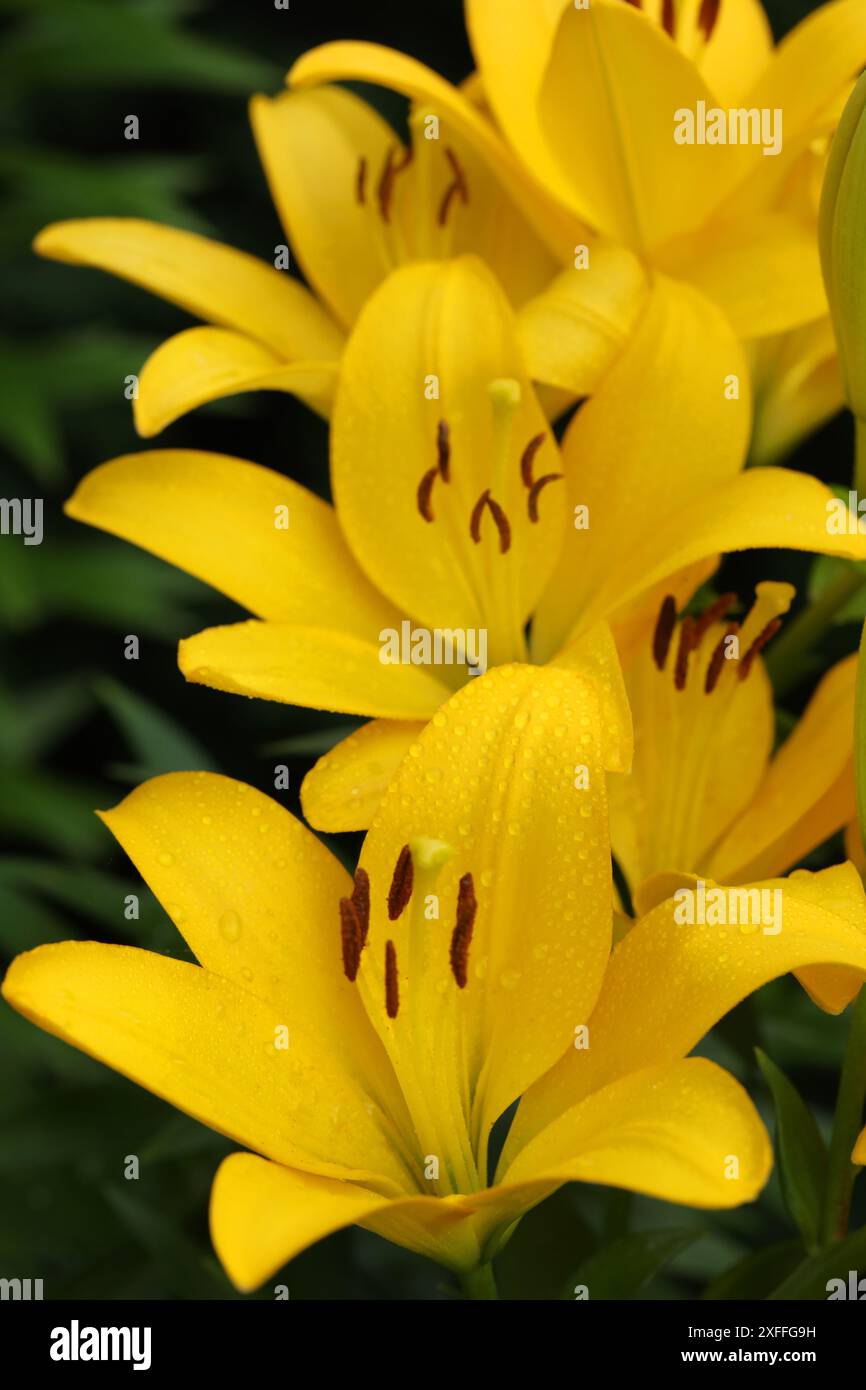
column 385, row 191
column 457, row 187
column 392, row 986
column 708, row 17
column 758, row 646
column 443, row 450
column 401, row 884
column 461, row 937
column 361, row 181
column 499, row 517
column 717, row 610
column 350, row 936
column 669, row 18
column 536, row 490
column 425, row 489
column 361, row 902
column 637, row 3
column 681, row 670
column 527, row 459
column 664, row 631
column 717, row 660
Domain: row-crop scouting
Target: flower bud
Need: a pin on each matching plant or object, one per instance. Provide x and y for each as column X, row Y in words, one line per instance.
column 843, row 245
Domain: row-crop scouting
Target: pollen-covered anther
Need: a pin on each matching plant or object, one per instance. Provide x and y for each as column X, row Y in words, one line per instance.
column 664, row 631
column 758, row 646
column 708, row 17
column 503, row 525
column 392, row 984
column 716, row 611
column 361, row 182
column 536, row 491
column 425, row 493
column 351, row 939
column 393, row 167
column 443, row 450
column 681, row 670
column 669, row 17
column 527, row 459
column 461, row 937
column 458, row 187
column 401, row 883
column 717, row 660
column 361, row 902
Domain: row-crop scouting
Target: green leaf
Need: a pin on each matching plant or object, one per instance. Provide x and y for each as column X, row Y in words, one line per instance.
column 313, row 743
column 51, row 811
column 826, row 570
column 622, row 1268
column 757, row 1274
column 157, row 741
column 35, row 719
column 801, row 1152
column 810, row 1279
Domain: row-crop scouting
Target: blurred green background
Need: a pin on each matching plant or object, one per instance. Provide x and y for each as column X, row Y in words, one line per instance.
column 79, row 725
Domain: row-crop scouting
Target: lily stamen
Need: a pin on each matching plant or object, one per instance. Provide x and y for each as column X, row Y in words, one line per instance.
column 351, row 938
column 457, row 188
column 401, row 883
column 392, row 986
column 681, row 670
column 708, row 17
column 535, row 492
column 461, row 937
column 424, row 494
column 716, row 611
column 664, row 631
column 669, row 18
column 443, row 450
column 503, row 525
column 361, row 182
column 385, row 191
column 717, row 660
column 527, row 459
column 361, row 903
column 758, row 646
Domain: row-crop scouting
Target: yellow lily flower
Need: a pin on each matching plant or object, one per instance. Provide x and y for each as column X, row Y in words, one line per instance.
column 361, row 1037
column 631, row 116
column 458, row 512
column 355, row 203
column 706, row 795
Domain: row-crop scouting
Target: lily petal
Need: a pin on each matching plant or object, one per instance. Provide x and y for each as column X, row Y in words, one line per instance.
column 764, row 271
column 208, row 1047
column 574, row 329
column 343, row 789
column 658, row 428
column 423, row 357
column 807, row 793
column 263, row 1214
column 212, row 281
column 311, row 144
column 798, row 387
column 686, row 1132
column 370, row 62
column 251, row 891
column 739, row 50
column 205, row 364
column 319, row 668
column 813, row 65
column 706, row 970
column 222, row 519
column 615, row 73
column 494, row 779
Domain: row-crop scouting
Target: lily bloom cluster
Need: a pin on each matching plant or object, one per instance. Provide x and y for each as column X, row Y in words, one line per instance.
column 545, row 236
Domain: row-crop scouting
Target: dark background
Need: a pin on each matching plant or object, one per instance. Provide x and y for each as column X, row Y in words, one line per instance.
column 79, row 725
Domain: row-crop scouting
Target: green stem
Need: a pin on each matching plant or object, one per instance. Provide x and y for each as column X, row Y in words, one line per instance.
column 479, row 1283
column 847, row 1124
column 784, row 658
